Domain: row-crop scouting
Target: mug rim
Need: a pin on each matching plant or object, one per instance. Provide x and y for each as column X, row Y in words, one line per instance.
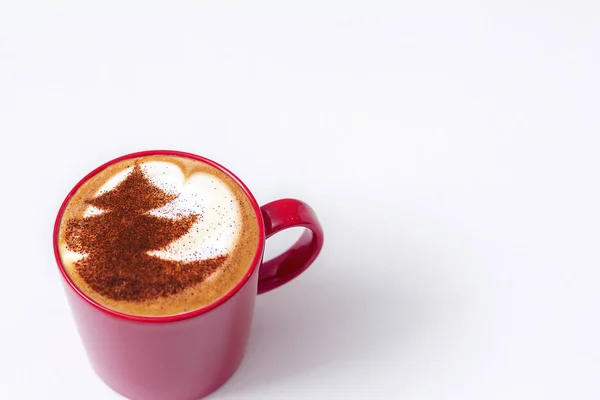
column 166, row 318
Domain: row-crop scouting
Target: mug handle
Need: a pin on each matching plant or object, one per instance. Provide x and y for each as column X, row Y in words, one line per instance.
column 283, row 214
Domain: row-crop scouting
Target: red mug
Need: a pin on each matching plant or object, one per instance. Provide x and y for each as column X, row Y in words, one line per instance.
column 188, row 356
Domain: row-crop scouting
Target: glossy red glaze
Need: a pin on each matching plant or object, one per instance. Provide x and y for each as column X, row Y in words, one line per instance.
column 279, row 215
column 189, row 355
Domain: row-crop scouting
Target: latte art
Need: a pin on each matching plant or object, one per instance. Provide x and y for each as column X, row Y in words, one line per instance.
column 158, row 235
column 216, row 229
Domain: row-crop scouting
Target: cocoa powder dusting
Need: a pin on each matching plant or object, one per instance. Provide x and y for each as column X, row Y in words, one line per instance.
column 117, row 241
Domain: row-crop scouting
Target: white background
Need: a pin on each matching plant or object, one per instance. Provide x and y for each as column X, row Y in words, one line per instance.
column 451, row 153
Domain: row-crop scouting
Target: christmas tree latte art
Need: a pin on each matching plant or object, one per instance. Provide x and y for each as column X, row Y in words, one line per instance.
column 158, row 235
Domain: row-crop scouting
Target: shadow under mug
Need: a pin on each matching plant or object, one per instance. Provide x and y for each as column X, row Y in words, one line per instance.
column 188, row 356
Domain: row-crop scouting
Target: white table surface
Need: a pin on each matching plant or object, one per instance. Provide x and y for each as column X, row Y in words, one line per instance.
column 451, row 152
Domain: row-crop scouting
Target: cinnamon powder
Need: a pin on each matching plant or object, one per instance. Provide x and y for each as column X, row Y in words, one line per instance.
column 117, row 241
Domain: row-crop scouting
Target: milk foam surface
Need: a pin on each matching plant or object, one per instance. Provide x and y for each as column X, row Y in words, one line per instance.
column 217, row 229
column 225, row 226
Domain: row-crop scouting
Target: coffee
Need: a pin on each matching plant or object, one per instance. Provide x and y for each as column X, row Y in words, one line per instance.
column 158, row 235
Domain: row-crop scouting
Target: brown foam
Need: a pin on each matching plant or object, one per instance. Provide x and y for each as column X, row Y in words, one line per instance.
column 197, row 290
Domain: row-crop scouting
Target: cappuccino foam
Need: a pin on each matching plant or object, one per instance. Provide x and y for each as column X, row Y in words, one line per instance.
column 158, row 235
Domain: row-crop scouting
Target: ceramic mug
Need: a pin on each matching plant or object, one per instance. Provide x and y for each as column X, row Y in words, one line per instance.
column 189, row 355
